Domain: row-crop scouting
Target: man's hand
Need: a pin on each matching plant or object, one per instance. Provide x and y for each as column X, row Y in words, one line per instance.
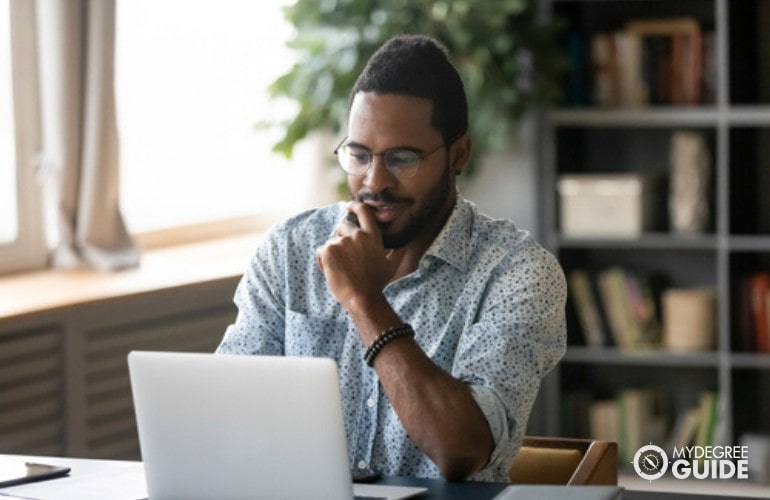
column 356, row 264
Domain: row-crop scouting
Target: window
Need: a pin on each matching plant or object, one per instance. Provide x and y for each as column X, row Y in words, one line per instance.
column 191, row 84
column 191, row 80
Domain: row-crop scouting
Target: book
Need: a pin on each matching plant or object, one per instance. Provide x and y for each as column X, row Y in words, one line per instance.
column 759, row 290
column 643, row 311
column 630, row 309
column 604, row 70
column 612, row 290
column 586, row 307
column 672, row 55
column 656, row 68
column 766, row 342
column 642, row 420
column 663, row 26
column 754, row 309
column 684, row 429
column 679, row 76
column 707, row 87
column 708, row 409
column 631, row 88
column 578, row 85
column 603, row 420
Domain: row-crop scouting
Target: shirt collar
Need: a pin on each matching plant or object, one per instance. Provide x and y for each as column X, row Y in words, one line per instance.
column 451, row 244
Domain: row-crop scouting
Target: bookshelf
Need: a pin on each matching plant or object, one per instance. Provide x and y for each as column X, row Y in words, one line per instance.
column 595, row 132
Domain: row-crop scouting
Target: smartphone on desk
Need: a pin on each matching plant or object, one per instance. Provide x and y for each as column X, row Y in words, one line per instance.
column 15, row 471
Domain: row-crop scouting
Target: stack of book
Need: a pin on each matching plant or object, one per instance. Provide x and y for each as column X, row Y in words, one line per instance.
column 616, row 301
column 637, row 417
column 696, row 425
column 650, row 61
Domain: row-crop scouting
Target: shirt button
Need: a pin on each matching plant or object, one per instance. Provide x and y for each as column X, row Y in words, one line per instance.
column 361, row 464
column 425, row 264
column 370, row 403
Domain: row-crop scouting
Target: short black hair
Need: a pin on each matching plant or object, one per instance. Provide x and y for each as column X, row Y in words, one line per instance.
column 418, row 66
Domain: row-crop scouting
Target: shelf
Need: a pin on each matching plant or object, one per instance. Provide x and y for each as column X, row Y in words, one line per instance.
column 749, row 115
column 647, row 241
column 750, row 360
column 635, row 117
column 750, row 243
column 653, row 357
column 662, row 116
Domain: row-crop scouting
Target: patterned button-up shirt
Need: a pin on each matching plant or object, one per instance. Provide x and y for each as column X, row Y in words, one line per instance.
column 486, row 303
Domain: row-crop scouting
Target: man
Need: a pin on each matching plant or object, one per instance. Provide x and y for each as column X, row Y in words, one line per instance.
column 442, row 321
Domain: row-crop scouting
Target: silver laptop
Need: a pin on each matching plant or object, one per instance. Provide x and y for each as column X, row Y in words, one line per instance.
column 224, row 426
column 552, row 492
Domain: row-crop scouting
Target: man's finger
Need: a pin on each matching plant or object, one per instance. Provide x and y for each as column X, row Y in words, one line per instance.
column 318, row 259
column 363, row 213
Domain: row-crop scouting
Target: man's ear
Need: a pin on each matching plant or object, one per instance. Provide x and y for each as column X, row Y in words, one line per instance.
column 460, row 153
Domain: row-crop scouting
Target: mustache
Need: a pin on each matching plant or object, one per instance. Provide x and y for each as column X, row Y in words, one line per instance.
column 382, row 196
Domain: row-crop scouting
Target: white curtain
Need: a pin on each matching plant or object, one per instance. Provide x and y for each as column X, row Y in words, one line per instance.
column 76, row 52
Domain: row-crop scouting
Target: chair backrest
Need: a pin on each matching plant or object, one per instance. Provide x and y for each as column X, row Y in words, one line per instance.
column 570, row 461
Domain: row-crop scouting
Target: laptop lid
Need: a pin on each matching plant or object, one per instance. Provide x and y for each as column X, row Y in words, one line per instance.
column 225, row 426
column 553, row 492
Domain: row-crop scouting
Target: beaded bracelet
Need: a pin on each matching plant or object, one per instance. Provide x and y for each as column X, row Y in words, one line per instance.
column 392, row 333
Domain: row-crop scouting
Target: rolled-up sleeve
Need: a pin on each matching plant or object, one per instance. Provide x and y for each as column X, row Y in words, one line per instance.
column 519, row 336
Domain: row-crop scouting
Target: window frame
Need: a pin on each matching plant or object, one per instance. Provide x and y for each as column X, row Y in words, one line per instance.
column 30, row 249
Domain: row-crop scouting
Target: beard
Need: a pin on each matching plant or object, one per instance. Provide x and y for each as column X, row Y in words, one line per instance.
column 429, row 217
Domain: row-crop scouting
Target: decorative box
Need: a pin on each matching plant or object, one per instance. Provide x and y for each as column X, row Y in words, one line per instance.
column 608, row 205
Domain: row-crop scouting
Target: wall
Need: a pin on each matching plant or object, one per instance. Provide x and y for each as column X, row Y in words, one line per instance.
column 505, row 185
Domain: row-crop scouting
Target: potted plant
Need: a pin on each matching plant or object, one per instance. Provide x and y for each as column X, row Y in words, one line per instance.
column 510, row 60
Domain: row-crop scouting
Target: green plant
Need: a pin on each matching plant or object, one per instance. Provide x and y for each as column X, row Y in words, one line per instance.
column 508, row 59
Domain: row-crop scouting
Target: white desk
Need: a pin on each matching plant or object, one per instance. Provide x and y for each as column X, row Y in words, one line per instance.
column 97, row 479
column 124, row 480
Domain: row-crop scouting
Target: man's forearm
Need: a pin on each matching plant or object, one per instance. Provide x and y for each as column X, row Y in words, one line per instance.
column 437, row 411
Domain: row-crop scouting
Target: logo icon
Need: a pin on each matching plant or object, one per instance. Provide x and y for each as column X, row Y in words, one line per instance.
column 650, row 462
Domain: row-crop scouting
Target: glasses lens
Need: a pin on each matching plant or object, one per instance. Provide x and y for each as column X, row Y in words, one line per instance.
column 402, row 162
column 354, row 160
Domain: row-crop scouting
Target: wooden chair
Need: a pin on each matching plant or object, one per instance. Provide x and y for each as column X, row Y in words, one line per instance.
column 568, row 461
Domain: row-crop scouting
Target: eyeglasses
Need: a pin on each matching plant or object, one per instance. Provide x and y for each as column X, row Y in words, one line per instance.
column 400, row 162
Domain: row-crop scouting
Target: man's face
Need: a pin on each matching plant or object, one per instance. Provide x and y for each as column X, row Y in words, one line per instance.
column 409, row 210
